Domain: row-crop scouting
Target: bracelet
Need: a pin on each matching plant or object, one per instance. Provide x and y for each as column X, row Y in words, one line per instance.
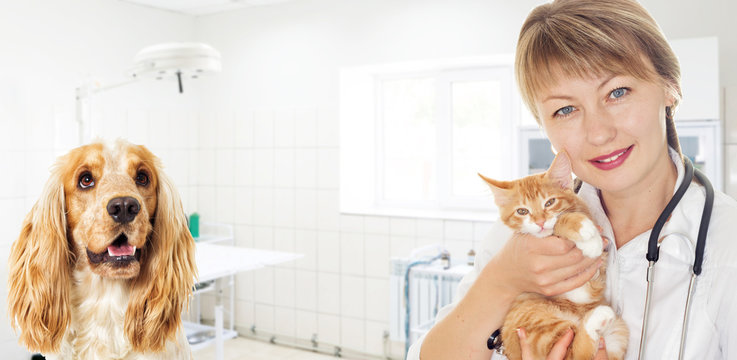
column 494, row 342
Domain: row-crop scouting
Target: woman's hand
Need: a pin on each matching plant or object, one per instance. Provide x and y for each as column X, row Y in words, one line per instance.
column 548, row 266
column 560, row 349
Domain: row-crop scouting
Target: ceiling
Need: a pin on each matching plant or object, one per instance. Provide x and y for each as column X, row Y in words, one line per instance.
column 202, row 7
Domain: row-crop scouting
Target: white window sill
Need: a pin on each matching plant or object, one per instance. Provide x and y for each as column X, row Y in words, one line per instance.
column 462, row 215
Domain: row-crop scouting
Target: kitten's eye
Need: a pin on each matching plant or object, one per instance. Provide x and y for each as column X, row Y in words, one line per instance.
column 522, row 211
column 86, row 181
column 550, row 202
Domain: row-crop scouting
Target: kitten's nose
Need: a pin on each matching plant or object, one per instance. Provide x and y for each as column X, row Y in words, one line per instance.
column 541, row 224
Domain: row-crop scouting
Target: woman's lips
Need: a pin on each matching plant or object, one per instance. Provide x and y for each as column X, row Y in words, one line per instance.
column 611, row 160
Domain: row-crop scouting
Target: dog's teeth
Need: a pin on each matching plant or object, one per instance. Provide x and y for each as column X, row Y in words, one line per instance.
column 109, row 252
column 134, row 251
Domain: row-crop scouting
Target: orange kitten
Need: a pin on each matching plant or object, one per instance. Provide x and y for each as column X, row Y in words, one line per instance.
column 543, row 205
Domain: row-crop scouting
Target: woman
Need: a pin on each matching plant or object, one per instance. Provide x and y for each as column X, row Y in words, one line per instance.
column 602, row 81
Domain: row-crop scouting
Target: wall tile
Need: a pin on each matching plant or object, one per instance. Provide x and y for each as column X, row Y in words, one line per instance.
column 376, row 225
column 305, row 209
column 328, row 168
column 306, row 244
column 225, row 125
column 225, row 205
column 375, row 336
column 306, row 290
column 263, row 206
column 328, row 251
column 263, row 167
column 353, row 333
column 263, row 237
column 328, row 129
column 243, row 129
column 224, row 167
column 327, row 210
column 458, row 230
column 376, row 250
column 328, row 328
column 284, row 287
column 284, row 168
column 306, row 324
column 284, row 207
column 353, row 296
column 263, row 289
column 402, row 227
column 352, row 254
column 285, row 321
column 305, row 168
column 377, row 305
column 284, row 128
column 305, row 124
column 264, row 317
column 244, row 316
column 243, row 207
column 243, row 167
column 328, row 298
column 263, row 128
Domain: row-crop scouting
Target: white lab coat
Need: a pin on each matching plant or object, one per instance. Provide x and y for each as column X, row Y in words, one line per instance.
column 712, row 325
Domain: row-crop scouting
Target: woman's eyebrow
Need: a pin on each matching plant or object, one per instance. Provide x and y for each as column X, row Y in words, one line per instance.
column 566, row 97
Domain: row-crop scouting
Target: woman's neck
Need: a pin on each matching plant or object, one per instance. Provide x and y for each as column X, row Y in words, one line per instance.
column 634, row 211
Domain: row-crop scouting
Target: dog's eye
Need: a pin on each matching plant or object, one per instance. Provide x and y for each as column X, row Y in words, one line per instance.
column 86, row 181
column 142, row 178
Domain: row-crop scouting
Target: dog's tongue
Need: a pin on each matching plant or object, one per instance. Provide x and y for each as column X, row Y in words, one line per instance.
column 122, row 250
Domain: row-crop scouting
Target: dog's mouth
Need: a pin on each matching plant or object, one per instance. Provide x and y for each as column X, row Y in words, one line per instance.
column 119, row 253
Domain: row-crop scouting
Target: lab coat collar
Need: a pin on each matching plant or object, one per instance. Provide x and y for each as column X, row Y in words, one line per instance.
column 679, row 222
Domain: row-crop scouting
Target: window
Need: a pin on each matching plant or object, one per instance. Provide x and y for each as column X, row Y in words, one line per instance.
column 414, row 136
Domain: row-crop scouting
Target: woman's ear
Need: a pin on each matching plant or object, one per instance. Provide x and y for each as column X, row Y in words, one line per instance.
column 40, row 268
column 164, row 285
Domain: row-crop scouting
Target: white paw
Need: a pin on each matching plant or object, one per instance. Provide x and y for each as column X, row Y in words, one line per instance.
column 591, row 243
column 601, row 317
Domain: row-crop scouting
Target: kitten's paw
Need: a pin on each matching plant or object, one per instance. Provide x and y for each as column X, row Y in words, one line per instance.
column 599, row 319
column 590, row 243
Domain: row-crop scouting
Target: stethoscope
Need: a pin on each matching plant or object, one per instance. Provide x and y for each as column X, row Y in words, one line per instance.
column 653, row 249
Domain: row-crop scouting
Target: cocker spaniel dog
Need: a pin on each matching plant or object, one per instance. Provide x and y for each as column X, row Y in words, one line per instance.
column 104, row 264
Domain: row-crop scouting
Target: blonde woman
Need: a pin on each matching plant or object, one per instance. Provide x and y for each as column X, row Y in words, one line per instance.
column 602, row 81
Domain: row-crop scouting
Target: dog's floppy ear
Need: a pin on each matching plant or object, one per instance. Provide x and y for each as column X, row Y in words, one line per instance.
column 168, row 271
column 40, row 267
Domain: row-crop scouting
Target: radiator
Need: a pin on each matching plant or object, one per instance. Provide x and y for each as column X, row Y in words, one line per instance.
column 430, row 288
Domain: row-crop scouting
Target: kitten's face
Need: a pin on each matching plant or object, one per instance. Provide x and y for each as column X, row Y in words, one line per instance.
column 532, row 205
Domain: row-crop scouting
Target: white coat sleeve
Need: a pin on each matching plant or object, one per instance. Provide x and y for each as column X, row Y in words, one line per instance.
column 494, row 240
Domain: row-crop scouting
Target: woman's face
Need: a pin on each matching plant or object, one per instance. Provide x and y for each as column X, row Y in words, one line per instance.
column 613, row 128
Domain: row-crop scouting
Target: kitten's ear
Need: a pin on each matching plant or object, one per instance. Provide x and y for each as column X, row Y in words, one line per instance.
column 500, row 189
column 560, row 170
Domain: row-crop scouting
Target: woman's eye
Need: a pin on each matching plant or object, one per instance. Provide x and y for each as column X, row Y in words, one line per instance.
column 522, row 211
column 550, row 202
column 86, row 181
column 618, row 93
column 142, row 178
column 564, row 111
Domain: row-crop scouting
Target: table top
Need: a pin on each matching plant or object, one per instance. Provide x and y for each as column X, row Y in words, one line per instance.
column 215, row 261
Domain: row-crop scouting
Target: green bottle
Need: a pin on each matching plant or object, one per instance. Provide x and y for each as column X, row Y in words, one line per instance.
column 194, row 225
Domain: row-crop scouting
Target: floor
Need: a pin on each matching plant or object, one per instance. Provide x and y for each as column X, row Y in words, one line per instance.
column 242, row 349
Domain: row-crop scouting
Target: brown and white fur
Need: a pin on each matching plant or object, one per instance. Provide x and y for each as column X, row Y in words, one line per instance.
column 543, row 205
column 104, row 264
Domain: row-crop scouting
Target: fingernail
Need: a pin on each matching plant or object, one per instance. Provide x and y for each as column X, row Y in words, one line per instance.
column 520, row 333
column 601, row 343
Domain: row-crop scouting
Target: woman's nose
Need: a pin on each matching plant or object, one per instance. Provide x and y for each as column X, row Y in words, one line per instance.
column 600, row 127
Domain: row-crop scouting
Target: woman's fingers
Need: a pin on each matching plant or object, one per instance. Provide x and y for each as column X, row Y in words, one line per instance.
column 601, row 354
column 558, row 352
column 563, row 280
column 560, row 349
column 525, row 350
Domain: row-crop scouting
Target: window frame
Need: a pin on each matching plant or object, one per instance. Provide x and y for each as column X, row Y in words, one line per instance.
column 360, row 94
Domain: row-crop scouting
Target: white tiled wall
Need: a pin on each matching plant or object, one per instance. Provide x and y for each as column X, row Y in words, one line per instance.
column 278, row 185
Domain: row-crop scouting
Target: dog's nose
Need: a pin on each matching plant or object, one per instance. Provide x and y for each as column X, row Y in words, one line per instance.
column 123, row 209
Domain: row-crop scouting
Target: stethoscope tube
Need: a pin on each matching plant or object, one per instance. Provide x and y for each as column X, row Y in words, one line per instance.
column 654, row 250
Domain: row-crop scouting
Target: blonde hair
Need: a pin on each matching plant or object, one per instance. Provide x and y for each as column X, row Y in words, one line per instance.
column 594, row 37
